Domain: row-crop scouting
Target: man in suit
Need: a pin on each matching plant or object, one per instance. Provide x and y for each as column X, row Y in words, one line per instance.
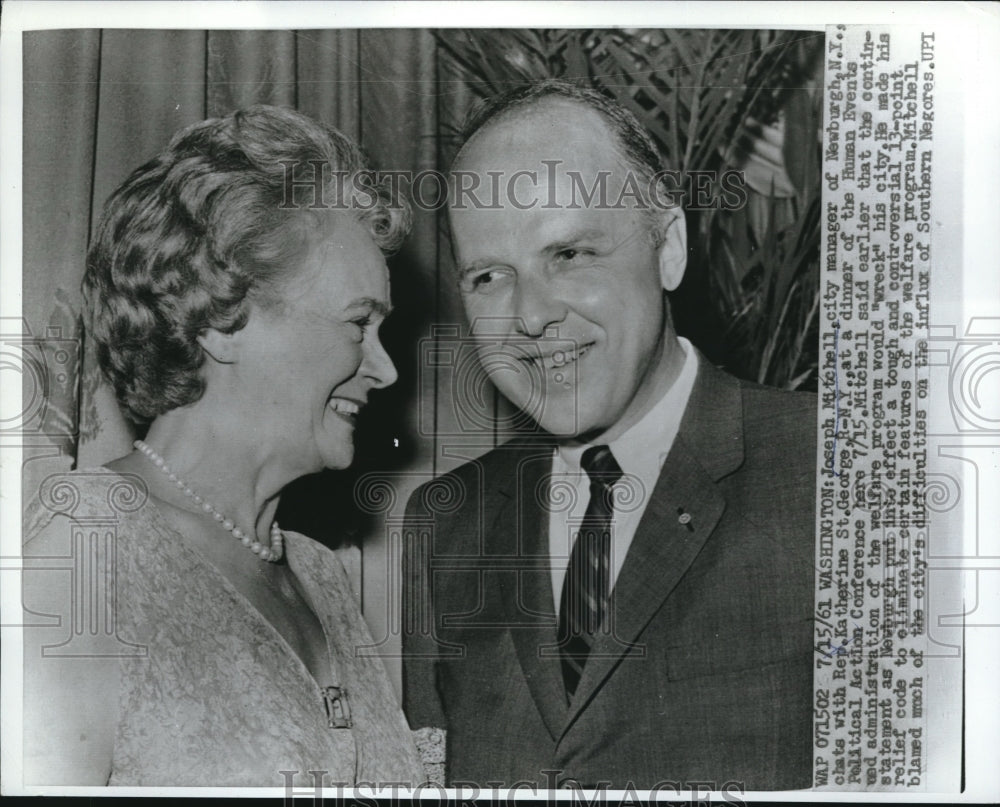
column 625, row 596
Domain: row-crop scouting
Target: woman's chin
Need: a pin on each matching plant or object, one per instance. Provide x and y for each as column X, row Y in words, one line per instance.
column 335, row 440
column 338, row 460
column 336, row 454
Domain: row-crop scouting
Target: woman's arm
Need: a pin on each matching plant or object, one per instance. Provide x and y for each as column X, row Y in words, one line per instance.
column 70, row 702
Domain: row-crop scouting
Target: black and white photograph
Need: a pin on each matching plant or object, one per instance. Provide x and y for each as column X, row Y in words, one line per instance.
column 586, row 402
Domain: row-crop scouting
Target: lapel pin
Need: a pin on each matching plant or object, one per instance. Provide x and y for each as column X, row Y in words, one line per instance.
column 685, row 519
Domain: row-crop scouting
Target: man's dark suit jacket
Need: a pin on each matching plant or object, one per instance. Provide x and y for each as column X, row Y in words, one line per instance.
column 707, row 673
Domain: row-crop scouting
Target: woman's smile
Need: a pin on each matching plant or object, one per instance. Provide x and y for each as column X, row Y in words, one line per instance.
column 345, row 408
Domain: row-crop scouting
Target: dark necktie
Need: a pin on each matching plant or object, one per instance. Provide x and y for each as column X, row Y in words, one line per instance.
column 587, row 585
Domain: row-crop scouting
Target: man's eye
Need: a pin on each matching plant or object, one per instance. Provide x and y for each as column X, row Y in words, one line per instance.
column 570, row 254
column 484, row 282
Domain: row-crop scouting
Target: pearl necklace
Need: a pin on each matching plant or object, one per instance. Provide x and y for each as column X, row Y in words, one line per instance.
column 270, row 553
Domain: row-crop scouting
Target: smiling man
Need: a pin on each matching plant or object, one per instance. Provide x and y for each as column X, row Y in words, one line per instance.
column 624, row 596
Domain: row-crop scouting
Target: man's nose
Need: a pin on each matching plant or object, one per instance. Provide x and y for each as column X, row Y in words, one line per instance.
column 536, row 308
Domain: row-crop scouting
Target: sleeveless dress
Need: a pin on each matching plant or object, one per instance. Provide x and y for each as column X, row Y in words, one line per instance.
column 211, row 694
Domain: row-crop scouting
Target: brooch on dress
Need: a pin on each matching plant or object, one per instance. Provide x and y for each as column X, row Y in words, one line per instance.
column 338, row 712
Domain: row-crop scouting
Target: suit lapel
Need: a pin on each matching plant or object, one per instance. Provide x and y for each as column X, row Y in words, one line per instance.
column 681, row 515
column 520, row 530
column 661, row 552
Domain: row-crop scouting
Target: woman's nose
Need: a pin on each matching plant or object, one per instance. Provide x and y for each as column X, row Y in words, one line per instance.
column 379, row 367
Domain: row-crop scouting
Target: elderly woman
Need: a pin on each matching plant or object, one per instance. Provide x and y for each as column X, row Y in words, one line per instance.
column 236, row 287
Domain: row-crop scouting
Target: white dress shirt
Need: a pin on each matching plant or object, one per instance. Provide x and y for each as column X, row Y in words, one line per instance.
column 640, row 453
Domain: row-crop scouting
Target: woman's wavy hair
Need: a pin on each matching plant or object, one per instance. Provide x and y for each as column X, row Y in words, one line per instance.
column 219, row 221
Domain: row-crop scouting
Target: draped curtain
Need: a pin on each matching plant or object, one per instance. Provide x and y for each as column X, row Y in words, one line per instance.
column 97, row 104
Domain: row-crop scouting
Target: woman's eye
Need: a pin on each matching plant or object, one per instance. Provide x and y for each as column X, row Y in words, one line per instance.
column 363, row 323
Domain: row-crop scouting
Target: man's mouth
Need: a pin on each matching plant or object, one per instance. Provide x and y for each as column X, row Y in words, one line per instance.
column 561, row 357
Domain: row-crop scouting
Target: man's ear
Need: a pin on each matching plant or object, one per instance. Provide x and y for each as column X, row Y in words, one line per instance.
column 673, row 248
column 220, row 347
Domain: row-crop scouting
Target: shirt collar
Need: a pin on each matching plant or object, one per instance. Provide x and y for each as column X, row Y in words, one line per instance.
column 641, row 450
